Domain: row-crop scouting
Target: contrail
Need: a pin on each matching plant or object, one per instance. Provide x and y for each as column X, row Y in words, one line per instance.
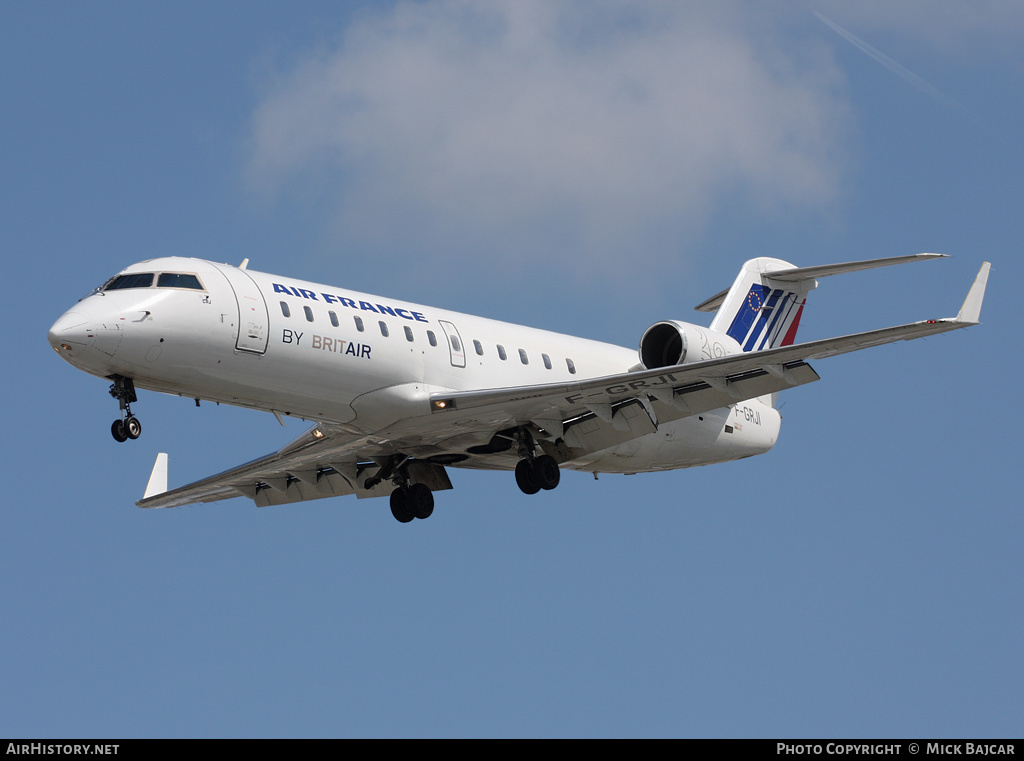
column 892, row 66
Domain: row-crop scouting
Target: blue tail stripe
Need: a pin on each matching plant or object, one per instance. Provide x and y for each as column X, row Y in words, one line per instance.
column 748, row 313
column 764, row 314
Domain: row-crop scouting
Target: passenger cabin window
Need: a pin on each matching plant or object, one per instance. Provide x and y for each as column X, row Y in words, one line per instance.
column 359, row 324
column 309, row 313
column 455, row 343
column 135, row 280
column 383, row 328
column 285, row 310
column 178, row 280
column 334, row 319
column 547, row 361
column 501, row 352
column 408, row 333
column 479, row 347
column 523, row 358
column 431, row 338
column 571, row 365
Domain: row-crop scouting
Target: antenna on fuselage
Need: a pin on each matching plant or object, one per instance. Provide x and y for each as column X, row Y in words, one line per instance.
column 244, row 264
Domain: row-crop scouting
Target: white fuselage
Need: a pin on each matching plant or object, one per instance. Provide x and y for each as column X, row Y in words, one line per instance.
column 358, row 361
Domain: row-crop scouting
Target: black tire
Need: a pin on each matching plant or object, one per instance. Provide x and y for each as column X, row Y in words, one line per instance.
column 420, row 500
column 526, row 478
column 545, row 472
column 132, row 428
column 400, row 506
column 118, row 431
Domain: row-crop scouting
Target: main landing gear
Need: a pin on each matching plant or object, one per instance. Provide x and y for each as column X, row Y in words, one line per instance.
column 408, row 500
column 128, row 426
column 535, row 473
column 541, row 473
column 414, row 501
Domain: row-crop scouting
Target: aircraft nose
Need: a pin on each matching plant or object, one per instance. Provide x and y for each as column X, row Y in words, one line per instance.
column 70, row 335
column 88, row 335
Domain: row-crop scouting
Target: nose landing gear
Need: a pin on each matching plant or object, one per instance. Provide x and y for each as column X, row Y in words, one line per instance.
column 128, row 426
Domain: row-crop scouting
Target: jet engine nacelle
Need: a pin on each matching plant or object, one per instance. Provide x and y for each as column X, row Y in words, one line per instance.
column 676, row 343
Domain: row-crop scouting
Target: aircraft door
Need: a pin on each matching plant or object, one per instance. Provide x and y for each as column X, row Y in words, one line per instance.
column 455, row 346
column 253, row 317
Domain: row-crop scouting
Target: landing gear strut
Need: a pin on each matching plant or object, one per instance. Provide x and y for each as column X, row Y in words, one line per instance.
column 535, row 473
column 128, row 426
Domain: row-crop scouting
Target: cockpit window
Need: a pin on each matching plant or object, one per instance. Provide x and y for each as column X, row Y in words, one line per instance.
column 163, row 280
column 178, row 280
column 134, row 280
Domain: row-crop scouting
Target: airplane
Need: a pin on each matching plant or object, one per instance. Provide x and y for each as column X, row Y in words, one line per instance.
column 399, row 392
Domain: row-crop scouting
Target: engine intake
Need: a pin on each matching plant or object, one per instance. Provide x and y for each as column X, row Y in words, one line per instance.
column 664, row 344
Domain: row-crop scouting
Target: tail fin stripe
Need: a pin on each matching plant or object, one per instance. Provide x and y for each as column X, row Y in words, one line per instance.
column 783, row 312
column 791, row 335
column 777, row 303
column 770, row 312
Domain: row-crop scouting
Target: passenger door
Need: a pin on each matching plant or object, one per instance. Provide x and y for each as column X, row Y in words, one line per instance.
column 455, row 345
column 253, row 317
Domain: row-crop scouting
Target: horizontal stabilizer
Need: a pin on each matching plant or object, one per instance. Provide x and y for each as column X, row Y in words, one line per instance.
column 798, row 274
column 805, row 274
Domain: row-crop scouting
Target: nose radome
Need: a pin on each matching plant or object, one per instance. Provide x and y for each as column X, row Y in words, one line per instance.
column 70, row 334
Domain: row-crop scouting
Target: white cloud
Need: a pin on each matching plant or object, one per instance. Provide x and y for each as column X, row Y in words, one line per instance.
column 572, row 135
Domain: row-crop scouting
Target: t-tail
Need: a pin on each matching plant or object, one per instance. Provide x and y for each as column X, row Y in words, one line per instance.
column 762, row 309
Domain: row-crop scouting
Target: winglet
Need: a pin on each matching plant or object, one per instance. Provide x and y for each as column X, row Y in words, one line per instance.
column 158, row 478
column 971, row 310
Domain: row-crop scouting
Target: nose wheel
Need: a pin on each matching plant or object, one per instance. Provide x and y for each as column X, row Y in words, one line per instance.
column 128, row 426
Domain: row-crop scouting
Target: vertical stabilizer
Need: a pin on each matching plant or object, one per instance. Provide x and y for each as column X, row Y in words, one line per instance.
column 759, row 312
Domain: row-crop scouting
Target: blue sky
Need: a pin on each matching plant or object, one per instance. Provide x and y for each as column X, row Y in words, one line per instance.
column 590, row 168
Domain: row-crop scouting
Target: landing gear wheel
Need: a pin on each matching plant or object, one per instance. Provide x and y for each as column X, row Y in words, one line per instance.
column 132, row 427
column 526, row 478
column 128, row 427
column 400, row 506
column 545, row 472
column 118, row 431
column 420, row 500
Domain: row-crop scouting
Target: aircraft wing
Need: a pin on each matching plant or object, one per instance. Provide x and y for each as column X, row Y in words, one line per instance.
column 689, row 388
column 322, row 462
